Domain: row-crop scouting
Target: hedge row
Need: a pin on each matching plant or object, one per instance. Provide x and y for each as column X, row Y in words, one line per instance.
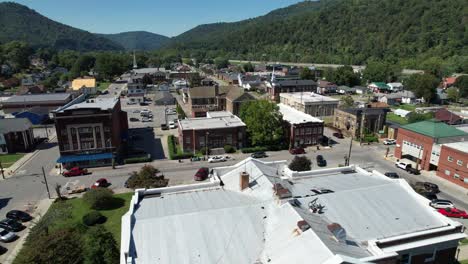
column 174, row 154
column 264, row 148
column 141, row 159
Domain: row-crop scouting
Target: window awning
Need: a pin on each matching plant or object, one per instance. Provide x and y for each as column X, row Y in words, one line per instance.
column 84, row 157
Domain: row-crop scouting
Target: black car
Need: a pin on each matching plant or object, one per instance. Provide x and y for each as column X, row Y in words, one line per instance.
column 260, row 154
column 430, row 196
column 19, row 216
column 321, row 162
column 143, row 104
column 428, row 186
column 3, row 250
column 392, row 175
column 412, row 170
column 134, row 119
column 11, row 225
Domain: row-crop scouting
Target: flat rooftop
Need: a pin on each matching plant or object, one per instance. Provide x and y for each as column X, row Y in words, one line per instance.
column 36, row 98
column 460, row 146
column 102, row 103
column 309, row 97
column 221, row 223
column 294, row 116
column 217, row 120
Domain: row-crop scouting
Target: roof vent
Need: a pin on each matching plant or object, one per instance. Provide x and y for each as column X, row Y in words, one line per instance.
column 315, row 207
column 281, row 192
column 338, row 231
column 303, row 225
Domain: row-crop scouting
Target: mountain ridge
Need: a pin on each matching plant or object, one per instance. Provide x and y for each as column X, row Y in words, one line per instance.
column 137, row 40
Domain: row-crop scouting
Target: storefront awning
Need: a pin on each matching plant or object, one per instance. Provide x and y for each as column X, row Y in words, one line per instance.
column 84, row 157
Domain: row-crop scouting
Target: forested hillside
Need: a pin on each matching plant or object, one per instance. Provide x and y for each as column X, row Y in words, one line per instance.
column 18, row 22
column 137, row 40
column 340, row 31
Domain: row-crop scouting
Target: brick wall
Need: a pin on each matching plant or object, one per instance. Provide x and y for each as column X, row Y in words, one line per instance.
column 217, row 138
column 426, row 142
column 455, row 170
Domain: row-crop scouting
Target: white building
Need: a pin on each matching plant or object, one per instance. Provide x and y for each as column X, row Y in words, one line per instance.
column 310, row 103
column 262, row 212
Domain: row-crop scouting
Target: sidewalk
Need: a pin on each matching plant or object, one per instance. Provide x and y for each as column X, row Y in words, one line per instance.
column 463, row 255
column 38, row 211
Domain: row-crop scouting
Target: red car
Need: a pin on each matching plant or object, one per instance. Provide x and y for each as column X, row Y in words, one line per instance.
column 75, row 171
column 100, row 183
column 453, row 212
column 297, row 151
column 201, row 174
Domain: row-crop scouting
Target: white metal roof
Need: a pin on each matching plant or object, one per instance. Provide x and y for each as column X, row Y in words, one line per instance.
column 294, row 116
column 103, row 103
column 460, row 146
column 309, row 97
column 222, row 121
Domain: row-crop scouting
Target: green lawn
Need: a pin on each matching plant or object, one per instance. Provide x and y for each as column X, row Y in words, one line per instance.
column 464, row 242
column 398, row 119
column 407, row 107
column 9, row 159
column 464, row 261
column 103, row 86
column 79, row 208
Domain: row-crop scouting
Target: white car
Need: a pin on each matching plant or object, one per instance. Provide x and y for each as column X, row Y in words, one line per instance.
column 172, row 125
column 402, row 165
column 146, row 119
column 441, row 204
column 6, row 236
column 131, row 103
column 216, row 159
column 389, row 141
column 136, row 111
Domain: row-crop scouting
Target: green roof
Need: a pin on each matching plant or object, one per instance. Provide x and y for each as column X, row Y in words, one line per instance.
column 381, row 85
column 434, row 129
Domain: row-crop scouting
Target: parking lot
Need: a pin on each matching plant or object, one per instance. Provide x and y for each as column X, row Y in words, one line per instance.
column 158, row 114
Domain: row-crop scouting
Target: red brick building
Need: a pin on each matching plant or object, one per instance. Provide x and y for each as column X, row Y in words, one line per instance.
column 453, row 163
column 19, row 103
column 216, row 130
column 300, row 128
column 90, row 132
column 421, row 142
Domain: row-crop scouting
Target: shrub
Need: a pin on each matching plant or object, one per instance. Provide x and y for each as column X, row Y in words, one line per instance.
column 100, row 247
column 265, row 148
column 229, row 149
column 99, row 199
column 253, row 149
column 138, row 159
column 370, row 138
column 147, row 178
column 174, row 152
column 93, row 218
column 300, row 163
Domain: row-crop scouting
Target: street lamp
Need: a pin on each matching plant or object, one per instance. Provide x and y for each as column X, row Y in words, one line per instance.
column 206, row 144
column 348, row 127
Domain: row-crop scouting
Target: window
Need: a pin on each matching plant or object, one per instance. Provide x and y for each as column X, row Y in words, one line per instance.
column 459, row 162
column 430, row 257
column 187, row 140
column 405, row 259
column 456, row 176
column 447, row 172
column 308, row 131
column 450, row 158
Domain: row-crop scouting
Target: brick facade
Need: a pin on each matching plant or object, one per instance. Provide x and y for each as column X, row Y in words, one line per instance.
column 453, row 166
column 194, row 140
column 405, row 136
column 306, row 134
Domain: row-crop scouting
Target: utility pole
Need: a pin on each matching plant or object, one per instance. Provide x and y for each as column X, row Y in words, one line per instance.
column 1, row 169
column 45, row 182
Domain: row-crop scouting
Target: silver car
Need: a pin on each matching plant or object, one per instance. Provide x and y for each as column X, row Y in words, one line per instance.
column 6, row 236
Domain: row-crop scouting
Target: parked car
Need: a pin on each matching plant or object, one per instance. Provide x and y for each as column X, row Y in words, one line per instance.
column 164, row 127
column 392, row 175
column 3, row 250
column 100, row 183
column 389, row 141
column 216, row 159
column 441, row 204
column 131, row 102
column 429, row 196
column 134, row 119
column 11, row 225
column 402, row 165
column 143, row 104
column 429, row 186
column 6, row 236
column 19, row 215
column 338, row 135
column 146, row 119
column 295, row 151
column 201, row 174
column 172, row 125
column 75, row 171
column 412, row 170
column 321, row 162
column 453, row 212
column 136, row 111
column 259, row 154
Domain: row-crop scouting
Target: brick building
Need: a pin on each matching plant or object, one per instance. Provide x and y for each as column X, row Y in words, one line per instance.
column 362, row 120
column 235, row 97
column 453, row 163
column 214, row 131
column 16, row 135
column 300, row 128
column 310, row 103
column 421, row 142
column 276, row 87
column 19, row 103
column 90, row 132
column 203, row 99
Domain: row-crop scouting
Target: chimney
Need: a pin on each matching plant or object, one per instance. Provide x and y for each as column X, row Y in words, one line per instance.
column 244, row 180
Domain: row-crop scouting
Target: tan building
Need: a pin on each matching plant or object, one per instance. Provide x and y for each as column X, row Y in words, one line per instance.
column 310, row 103
column 361, row 120
column 85, row 84
column 235, row 97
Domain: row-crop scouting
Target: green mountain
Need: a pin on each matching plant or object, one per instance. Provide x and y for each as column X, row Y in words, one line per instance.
column 339, row 31
column 138, row 40
column 18, row 22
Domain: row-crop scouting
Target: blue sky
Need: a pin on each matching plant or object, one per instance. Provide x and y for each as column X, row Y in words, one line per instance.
column 166, row 17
